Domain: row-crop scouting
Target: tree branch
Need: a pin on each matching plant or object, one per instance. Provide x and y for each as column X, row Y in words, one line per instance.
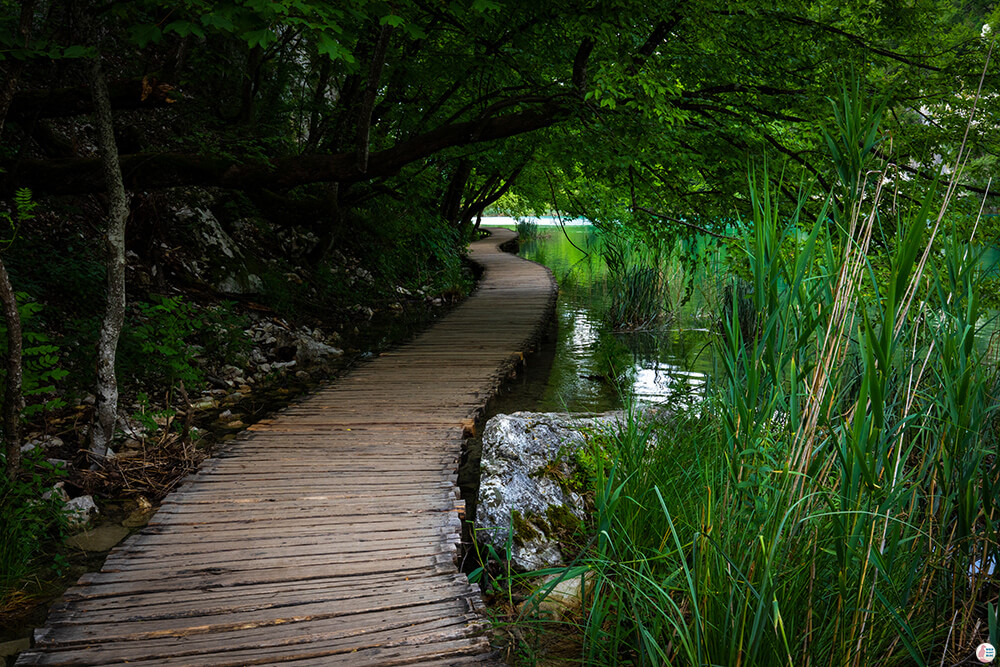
column 159, row 170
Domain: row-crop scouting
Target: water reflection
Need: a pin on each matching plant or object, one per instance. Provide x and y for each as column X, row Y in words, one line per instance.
column 594, row 368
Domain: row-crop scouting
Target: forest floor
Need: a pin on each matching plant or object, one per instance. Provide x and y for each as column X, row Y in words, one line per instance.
column 154, row 455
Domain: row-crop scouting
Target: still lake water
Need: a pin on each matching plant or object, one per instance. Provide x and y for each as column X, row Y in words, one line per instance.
column 594, row 369
column 590, row 368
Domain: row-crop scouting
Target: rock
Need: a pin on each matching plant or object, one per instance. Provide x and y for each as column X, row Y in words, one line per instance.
column 89, row 399
column 14, row 647
column 309, row 351
column 58, row 463
column 301, row 375
column 527, row 464
column 57, row 491
column 43, row 442
column 132, row 428
column 224, row 266
column 140, row 515
column 233, row 398
column 204, row 404
column 80, row 511
column 102, row 538
column 564, row 599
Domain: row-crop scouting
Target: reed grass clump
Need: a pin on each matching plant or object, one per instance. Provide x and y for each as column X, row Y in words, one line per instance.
column 527, row 230
column 637, row 281
column 836, row 502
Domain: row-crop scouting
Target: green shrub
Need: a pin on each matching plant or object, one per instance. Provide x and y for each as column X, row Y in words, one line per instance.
column 164, row 338
column 29, row 524
column 42, row 369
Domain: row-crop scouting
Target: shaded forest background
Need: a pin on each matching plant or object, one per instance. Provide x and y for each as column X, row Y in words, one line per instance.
column 174, row 172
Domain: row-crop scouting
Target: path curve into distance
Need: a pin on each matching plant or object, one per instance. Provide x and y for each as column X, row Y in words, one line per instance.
column 328, row 534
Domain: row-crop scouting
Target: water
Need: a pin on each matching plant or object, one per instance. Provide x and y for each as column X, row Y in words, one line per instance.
column 589, row 367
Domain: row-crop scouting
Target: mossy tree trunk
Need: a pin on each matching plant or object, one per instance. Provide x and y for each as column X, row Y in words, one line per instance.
column 13, row 399
column 114, row 312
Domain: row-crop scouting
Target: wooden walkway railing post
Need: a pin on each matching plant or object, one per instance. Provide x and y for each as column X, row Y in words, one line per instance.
column 327, row 535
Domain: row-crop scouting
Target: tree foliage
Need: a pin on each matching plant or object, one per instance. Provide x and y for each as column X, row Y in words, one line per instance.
column 669, row 101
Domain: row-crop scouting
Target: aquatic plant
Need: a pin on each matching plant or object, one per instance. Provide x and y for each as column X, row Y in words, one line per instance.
column 836, row 502
column 636, row 283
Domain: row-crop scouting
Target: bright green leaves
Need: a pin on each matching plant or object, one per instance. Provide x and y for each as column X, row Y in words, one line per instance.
column 329, row 46
column 219, row 21
column 260, row 38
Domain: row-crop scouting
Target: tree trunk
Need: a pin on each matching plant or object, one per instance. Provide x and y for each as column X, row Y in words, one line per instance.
column 452, row 204
column 152, row 170
column 114, row 313
column 322, row 83
column 368, row 103
column 329, row 234
column 13, row 400
column 248, row 93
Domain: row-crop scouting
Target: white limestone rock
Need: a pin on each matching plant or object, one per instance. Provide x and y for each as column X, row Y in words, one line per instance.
column 80, row 511
column 528, row 459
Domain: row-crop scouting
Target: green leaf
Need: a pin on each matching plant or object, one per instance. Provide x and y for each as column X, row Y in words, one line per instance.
column 391, row 20
column 77, row 51
column 261, row 38
column 219, row 21
column 184, row 28
column 145, row 34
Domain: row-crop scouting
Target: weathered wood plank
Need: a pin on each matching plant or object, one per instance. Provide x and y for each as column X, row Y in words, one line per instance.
column 327, row 534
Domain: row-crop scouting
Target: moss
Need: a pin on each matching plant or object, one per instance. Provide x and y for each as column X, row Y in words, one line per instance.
column 562, row 521
column 524, row 531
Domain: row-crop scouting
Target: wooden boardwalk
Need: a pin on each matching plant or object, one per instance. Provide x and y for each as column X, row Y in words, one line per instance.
column 328, row 534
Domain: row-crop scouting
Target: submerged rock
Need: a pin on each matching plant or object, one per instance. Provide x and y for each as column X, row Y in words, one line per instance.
column 102, row 538
column 526, row 490
column 79, row 511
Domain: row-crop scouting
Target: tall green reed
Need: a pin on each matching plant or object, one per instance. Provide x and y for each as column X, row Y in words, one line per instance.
column 638, row 282
column 835, row 504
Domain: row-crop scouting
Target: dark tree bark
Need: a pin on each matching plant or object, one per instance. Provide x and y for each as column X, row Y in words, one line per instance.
column 147, row 171
column 322, row 83
column 452, row 204
column 30, row 105
column 329, row 233
column 114, row 313
column 368, row 101
column 251, row 82
column 490, row 194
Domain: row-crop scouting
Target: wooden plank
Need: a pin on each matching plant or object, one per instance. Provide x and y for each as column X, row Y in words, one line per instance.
column 326, row 534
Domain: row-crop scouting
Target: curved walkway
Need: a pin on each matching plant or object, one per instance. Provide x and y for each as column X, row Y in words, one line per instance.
column 328, row 534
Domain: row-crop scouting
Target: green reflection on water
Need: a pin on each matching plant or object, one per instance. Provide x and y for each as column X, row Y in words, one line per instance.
column 594, row 368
